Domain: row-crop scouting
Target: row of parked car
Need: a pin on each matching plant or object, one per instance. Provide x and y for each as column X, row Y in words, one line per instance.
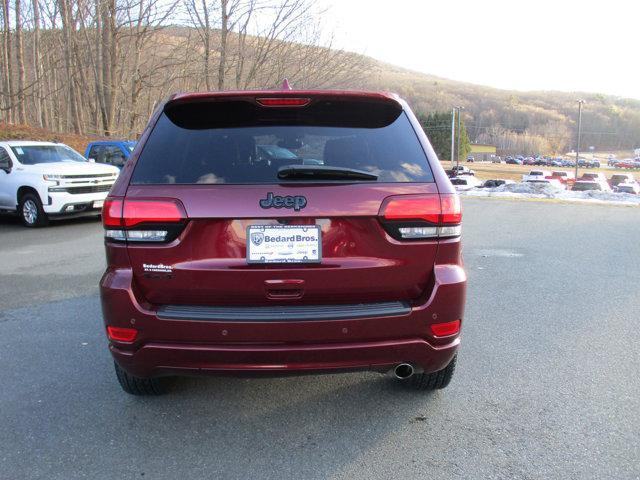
column 552, row 162
column 620, row 182
column 628, row 163
column 540, row 161
column 464, row 179
column 40, row 181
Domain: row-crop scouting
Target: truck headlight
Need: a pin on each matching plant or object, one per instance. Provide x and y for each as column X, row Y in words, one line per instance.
column 52, row 177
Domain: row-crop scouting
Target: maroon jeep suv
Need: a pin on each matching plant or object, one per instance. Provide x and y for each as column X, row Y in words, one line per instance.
column 283, row 232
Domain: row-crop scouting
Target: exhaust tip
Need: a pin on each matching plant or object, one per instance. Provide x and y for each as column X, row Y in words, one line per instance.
column 403, row 371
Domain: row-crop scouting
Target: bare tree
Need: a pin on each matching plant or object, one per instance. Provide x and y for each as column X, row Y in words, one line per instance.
column 100, row 66
column 68, row 36
column 108, row 62
column 7, row 78
column 200, row 13
column 22, row 112
column 37, row 66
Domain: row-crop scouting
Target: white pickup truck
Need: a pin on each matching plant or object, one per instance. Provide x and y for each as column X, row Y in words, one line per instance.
column 43, row 180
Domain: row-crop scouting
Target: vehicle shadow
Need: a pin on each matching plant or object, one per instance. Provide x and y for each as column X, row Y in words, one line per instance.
column 315, row 426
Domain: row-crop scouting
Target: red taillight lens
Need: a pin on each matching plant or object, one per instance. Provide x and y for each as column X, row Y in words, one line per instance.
column 445, row 329
column 425, row 208
column 419, row 217
column 283, row 102
column 152, row 211
column 143, row 220
column 112, row 212
column 120, row 334
column 451, row 209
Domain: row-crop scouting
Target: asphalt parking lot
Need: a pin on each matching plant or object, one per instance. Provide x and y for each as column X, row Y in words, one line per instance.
column 547, row 384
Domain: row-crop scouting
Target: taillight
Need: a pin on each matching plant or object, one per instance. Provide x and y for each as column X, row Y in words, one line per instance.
column 152, row 211
column 451, row 209
column 283, row 102
column 143, row 220
column 112, row 213
column 418, row 217
column 425, row 208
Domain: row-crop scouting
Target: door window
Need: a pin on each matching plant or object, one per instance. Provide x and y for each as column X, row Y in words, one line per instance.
column 97, row 153
column 114, row 156
column 5, row 159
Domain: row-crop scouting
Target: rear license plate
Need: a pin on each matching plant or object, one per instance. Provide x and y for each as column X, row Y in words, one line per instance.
column 283, row 244
column 98, row 204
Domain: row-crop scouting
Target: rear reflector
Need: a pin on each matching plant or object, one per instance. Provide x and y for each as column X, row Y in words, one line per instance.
column 445, row 329
column 120, row 334
column 283, row 102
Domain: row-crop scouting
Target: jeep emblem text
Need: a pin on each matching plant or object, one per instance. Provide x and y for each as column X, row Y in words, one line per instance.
column 297, row 202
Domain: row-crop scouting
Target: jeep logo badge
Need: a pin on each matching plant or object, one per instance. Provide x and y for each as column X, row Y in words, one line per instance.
column 297, row 202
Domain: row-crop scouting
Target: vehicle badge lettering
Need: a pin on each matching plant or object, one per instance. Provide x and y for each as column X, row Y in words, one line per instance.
column 297, row 202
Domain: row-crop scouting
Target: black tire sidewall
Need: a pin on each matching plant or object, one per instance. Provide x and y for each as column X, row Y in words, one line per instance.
column 139, row 386
column 41, row 219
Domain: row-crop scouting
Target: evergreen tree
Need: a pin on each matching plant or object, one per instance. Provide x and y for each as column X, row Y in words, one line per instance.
column 437, row 126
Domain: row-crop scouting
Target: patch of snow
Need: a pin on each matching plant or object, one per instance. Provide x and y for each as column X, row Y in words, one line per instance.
column 542, row 190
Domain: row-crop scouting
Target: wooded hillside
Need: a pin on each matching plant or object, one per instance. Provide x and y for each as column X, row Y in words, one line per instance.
column 100, row 67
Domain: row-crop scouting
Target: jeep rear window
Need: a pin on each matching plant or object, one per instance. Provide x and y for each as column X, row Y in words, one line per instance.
column 238, row 142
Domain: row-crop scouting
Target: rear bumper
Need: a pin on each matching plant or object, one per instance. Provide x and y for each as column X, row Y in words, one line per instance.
column 158, row 359
column 167, row 346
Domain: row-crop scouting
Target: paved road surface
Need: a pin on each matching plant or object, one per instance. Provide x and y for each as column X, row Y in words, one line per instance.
column 548, row 383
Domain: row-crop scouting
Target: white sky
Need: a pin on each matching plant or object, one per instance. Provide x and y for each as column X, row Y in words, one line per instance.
column 571, row 45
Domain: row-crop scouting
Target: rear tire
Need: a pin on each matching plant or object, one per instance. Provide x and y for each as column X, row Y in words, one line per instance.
column 31, row 212
column 138, row 386
column 435, row 380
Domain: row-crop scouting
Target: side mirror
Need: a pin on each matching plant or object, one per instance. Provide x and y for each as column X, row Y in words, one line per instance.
column 92, row 160
column 5, row 165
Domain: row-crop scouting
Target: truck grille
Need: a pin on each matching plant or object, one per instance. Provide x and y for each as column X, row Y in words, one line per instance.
column 84, row 175
column 91, row 189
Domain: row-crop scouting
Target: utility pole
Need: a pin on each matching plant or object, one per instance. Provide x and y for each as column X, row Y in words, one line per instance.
column 580, row 103
column 453, row 133
column 458, row 149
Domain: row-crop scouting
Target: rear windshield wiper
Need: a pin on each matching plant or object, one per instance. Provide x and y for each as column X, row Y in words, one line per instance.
column 323, row 172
